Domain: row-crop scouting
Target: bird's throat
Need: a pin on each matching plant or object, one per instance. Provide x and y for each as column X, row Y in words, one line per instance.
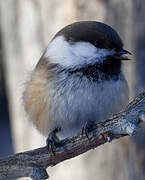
column 109, row 69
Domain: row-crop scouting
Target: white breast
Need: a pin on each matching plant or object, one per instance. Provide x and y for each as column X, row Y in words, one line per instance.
column 80, row 100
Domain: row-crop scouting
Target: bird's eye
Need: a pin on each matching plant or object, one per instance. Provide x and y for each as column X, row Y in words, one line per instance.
column 98, row 44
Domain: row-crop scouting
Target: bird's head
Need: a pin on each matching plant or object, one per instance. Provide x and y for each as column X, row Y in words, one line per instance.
column 85, row 43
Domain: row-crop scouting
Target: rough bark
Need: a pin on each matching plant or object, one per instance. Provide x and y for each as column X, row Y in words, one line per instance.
column 34, row 163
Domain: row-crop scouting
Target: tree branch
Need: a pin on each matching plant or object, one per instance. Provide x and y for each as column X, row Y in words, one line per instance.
column 34, row 163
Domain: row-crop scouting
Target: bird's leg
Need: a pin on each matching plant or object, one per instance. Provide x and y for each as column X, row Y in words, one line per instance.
column 87, row 128
column 53, row 141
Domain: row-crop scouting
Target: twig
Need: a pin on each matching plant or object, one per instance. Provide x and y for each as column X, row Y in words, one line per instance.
column 34, row 163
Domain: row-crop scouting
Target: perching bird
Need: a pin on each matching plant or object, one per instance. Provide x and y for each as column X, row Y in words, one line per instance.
column 77, row 81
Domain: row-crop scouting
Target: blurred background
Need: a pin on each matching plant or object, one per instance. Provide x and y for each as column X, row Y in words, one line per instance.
column 26, row 27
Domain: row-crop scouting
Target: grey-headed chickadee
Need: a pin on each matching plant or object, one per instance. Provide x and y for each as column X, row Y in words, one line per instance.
column 77, row 80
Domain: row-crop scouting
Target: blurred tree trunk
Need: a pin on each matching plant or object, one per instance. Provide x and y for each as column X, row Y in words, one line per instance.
column 139, row 51
column 27, row 27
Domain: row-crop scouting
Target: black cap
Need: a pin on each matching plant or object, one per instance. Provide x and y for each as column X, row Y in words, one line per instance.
column 97, row 33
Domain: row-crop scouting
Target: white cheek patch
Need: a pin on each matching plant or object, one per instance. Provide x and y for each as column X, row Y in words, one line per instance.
column 68, row 55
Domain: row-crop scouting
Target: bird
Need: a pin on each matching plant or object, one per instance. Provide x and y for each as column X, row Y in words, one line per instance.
column 78, row 81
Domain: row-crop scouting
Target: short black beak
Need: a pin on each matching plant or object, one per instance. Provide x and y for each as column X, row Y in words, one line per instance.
column 121, row 55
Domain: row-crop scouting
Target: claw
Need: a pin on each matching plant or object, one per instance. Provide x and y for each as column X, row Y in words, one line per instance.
column 54, row 142
column 85, row 131
column 87, row 128
column 50, row 145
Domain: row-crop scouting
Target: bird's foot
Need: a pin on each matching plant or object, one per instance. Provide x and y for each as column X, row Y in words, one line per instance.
column 54, row 142
column 107, row 136
column 87, row 128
